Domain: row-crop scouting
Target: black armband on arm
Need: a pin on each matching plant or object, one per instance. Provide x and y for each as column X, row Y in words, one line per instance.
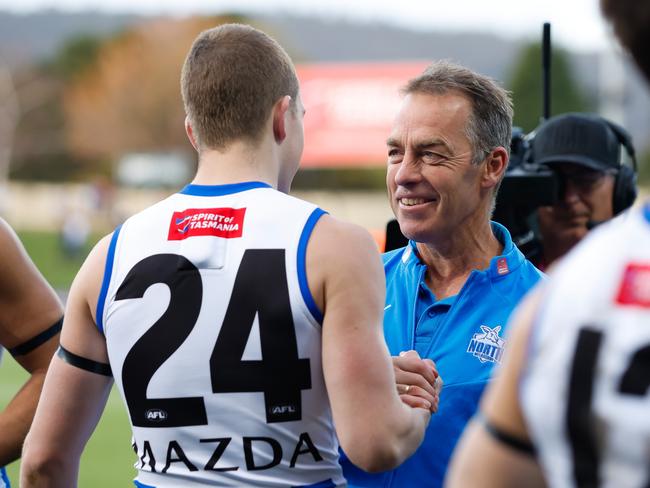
column 520, row 445
column 34, row 342
column 84, row 363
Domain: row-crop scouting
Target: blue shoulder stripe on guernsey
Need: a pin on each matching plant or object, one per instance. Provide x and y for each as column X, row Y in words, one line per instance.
column 646, row 211
column 142, row 485
column 218, row 190
column 4, row 478
column 302, row 264
column 321, row 484
column 108, row 271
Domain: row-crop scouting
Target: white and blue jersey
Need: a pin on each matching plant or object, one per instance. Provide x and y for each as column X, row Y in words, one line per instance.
column 214, row 341
column 4, row 479
column 585, row 388
column 463, row 334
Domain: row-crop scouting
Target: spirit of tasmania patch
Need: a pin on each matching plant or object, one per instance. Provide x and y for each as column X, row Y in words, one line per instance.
column 217, row 222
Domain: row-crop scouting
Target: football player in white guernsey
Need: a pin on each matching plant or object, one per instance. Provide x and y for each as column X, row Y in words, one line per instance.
column 571, row 407
column 29, row 329
column 240, row 324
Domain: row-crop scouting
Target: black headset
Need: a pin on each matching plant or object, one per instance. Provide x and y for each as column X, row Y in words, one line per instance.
column 625, row 179
column 625, row 190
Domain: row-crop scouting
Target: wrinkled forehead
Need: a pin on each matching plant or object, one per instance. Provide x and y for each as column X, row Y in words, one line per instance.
column 424, row 117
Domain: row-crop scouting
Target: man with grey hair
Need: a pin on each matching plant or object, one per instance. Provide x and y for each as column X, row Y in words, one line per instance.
column 451, row 289
column 570, row 407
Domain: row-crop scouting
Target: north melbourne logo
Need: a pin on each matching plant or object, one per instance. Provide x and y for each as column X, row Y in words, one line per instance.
column 487, row 345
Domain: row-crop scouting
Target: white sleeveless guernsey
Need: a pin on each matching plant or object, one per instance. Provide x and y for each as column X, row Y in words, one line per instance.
column 585, row 390
column 215, row 342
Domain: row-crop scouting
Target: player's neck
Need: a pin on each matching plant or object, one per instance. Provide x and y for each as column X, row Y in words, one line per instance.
column 239, row 162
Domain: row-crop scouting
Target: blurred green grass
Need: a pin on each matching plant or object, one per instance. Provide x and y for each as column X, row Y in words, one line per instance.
column 108, row 459
column 47, row 253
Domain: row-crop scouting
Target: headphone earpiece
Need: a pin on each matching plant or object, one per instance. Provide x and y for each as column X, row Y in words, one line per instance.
column 625, row 190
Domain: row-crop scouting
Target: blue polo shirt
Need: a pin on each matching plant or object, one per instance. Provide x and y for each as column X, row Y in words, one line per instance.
column 463, row 334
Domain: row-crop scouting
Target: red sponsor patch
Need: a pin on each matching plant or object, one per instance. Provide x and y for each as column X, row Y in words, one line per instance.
column 635, row 287
column 218, row 222
column 502, row 266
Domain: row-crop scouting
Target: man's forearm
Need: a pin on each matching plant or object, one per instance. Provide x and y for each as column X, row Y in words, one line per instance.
column 16, row 418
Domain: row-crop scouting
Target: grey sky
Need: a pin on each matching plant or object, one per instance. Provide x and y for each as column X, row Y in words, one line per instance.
column 576, row 24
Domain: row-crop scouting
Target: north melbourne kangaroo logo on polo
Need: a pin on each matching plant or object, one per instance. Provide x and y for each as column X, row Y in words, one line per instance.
column 487, row 345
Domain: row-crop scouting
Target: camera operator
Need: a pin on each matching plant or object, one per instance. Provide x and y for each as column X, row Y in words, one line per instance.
column 571, row 400
column 585, row 151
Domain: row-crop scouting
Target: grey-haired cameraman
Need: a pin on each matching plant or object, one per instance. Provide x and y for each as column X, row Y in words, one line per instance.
column 586, row 151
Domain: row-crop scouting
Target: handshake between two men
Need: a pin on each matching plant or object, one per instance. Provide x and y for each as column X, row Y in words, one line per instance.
column 418, row 381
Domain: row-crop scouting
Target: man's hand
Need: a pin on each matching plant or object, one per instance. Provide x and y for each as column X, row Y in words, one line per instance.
column 418, row 381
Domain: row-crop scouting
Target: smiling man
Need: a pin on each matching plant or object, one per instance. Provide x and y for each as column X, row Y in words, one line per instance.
column 452, row 288
column 570, row 408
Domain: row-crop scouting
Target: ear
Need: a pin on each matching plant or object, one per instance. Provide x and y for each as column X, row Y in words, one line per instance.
column 280, row 111
column 190, row 134
column 496, row 164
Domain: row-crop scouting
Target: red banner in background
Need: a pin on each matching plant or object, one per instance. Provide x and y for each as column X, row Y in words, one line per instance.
column 350, row 110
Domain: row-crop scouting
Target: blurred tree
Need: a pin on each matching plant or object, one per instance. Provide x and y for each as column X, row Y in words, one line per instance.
column 129, row 100
column 525, row 83
column 8, row 119
column 40, row 149
column 77, row 55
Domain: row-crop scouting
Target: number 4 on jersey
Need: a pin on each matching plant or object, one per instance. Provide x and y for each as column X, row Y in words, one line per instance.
column 260, row 289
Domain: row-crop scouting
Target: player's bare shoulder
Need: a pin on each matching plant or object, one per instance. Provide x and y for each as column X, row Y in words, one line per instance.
column 341, row 252
column 88, row 281
column 342, row 242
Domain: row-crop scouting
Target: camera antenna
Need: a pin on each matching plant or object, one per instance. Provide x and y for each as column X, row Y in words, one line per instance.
column 546, row 71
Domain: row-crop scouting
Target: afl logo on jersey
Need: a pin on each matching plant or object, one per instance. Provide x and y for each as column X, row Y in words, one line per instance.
column 280, row 409
column 155, row 415
column 486, row 345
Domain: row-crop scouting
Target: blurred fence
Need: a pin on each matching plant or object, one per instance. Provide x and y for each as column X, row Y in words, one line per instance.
column 48, row 206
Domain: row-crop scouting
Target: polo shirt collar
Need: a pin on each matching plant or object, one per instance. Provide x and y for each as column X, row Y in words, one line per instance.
column 509, row 260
